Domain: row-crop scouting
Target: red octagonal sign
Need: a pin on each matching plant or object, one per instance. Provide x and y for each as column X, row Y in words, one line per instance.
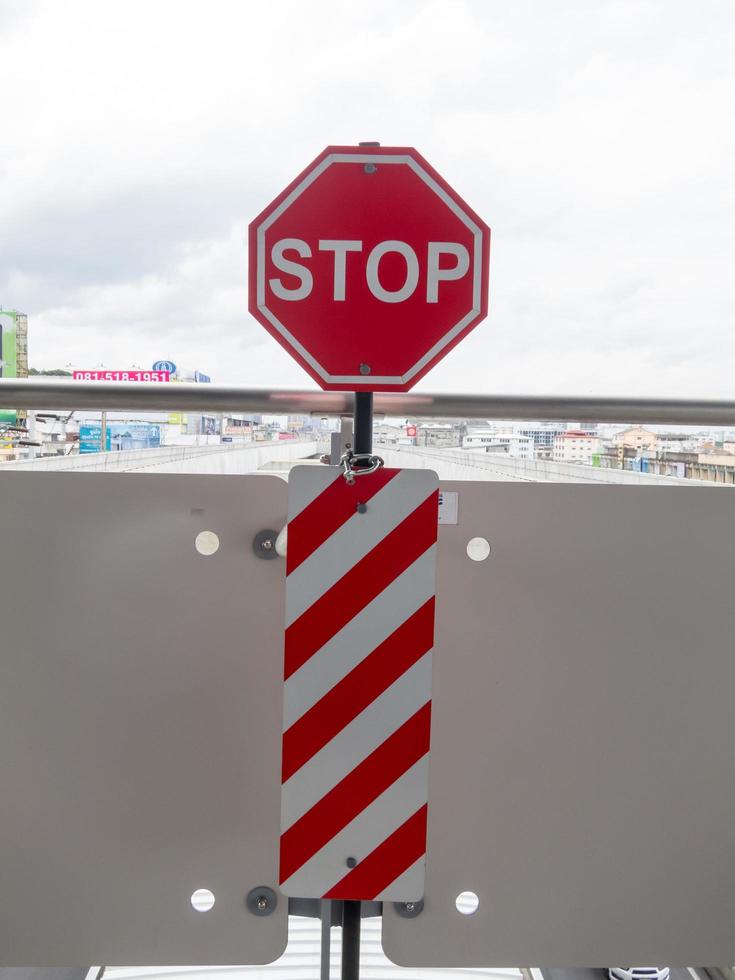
column 368, row 268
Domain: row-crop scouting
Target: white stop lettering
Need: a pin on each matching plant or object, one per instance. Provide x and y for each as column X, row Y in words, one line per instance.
column 340, row 248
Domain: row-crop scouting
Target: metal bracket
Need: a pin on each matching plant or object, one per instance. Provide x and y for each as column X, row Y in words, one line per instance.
column 261, row 900
column 372, row 463
column 341, row 442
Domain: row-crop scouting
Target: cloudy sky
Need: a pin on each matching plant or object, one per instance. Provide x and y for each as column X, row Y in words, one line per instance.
column 596, row 138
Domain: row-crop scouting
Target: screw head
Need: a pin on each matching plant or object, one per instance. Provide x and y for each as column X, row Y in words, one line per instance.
column 409, row 910
column 361, row 508
column 261, row 900
column 365, row 368
column 264, row 544
column 369, row 168
column 351, row 862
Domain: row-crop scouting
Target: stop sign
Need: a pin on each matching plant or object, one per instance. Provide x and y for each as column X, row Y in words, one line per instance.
column 368, row 268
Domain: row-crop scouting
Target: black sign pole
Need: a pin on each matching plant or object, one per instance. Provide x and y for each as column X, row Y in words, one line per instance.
column 362, row 436
column 362, row 442
column 351, row 914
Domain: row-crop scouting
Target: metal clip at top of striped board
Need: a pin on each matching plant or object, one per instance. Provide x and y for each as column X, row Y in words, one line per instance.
column 360, row 593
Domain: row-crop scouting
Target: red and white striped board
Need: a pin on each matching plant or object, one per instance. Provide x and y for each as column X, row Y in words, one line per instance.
column 360, row 593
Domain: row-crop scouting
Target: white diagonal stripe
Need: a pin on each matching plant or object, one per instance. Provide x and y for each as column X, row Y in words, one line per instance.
column 356, row 538
column 356, row 741
column 355, row 641
column 408, row 887
column 362, row 835
column 306, row 483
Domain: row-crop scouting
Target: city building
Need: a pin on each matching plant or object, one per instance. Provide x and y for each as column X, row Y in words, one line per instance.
column 13, row 364
column 716, row 459
column 438, row 434
column 512, row 444
column 237, row 428
column 297, row 423
column 575, row 446
column 678, row 442
column 392, row 435
column 543, row 435
column 637, row 437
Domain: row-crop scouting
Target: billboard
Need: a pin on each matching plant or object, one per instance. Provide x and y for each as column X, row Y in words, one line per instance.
column 89, row 438
column 126, row 375
column 120, row 436
column 8, row 362
column 8, row 355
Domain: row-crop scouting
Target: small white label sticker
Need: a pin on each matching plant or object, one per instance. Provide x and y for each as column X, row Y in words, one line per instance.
column 448, row 506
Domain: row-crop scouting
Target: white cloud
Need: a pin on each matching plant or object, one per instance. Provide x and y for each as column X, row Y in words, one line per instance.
column 596, row 138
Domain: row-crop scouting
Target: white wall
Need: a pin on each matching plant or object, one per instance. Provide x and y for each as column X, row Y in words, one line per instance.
column 459, row 464
column 174, row 459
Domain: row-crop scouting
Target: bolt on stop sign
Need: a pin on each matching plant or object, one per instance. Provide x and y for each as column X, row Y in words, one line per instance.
column 368, row 268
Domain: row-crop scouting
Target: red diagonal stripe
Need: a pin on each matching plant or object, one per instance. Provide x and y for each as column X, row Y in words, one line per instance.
column 328, row 512
column 389, row 860
column 358, row 689
column 358, row 587
column 355, row 792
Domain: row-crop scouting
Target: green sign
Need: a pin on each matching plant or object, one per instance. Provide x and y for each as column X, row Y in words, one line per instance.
column 8, row 355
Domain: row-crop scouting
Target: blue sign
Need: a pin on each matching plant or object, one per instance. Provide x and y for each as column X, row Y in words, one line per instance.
column 137, row 435
column 120, row 435
column 165, row 366
column 202, row 378
column 89, row 438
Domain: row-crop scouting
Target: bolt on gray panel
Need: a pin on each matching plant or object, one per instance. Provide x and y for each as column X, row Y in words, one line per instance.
column 140, row 715
column 582, row 778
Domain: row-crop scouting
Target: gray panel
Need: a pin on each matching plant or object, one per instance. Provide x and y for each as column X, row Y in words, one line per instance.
column 51, row 973
column 582, row 777
column 140, row 715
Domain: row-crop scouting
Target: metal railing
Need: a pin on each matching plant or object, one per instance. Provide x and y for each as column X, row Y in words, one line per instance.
column 42, row 394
